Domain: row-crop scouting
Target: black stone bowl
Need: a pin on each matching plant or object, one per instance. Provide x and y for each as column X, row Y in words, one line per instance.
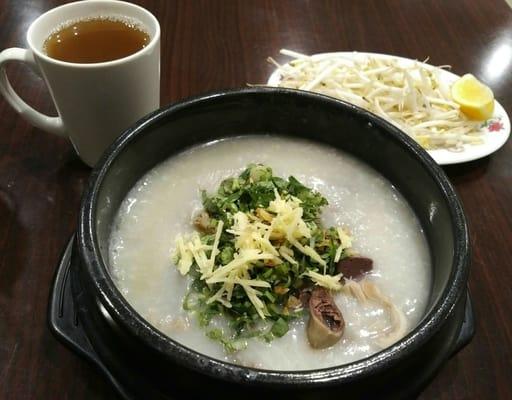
column 144, row 363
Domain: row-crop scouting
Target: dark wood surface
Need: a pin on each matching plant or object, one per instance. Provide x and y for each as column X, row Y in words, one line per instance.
column 208, row 45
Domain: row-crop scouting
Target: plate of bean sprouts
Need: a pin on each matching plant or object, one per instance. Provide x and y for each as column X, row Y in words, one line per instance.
column 413, row 95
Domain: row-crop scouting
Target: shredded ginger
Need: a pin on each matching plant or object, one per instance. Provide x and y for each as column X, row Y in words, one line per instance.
column 253, row 243
column 409, row 95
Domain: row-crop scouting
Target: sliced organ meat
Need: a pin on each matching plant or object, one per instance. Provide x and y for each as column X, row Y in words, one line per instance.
column 326, row 323
column 355, row 268
column 203, row 223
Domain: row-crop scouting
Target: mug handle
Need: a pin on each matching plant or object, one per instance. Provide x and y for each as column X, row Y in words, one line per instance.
column 39, row 120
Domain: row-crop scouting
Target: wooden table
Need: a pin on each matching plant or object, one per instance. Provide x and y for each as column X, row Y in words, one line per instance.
column 208, row 45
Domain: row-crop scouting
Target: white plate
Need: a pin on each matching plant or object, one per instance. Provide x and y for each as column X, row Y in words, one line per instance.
column 496, row 129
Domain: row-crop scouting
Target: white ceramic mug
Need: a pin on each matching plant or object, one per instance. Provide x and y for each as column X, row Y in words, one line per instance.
column 95, row 102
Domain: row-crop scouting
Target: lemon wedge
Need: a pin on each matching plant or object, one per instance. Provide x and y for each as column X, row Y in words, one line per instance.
column 476, row 100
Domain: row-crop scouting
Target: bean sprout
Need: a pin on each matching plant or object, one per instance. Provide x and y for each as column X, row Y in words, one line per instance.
column 412, row 96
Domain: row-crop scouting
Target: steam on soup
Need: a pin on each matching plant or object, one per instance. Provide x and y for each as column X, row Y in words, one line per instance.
column 272, row 253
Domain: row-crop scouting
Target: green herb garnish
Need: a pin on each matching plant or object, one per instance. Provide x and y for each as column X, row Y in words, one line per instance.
column 269, row 245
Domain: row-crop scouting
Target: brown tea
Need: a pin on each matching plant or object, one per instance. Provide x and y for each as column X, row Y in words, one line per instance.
column 95, row 40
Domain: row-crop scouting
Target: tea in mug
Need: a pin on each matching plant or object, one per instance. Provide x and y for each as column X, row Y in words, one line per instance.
column 95, row 40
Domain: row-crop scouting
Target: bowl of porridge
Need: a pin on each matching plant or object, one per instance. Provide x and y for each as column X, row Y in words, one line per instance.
column 269, row 240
